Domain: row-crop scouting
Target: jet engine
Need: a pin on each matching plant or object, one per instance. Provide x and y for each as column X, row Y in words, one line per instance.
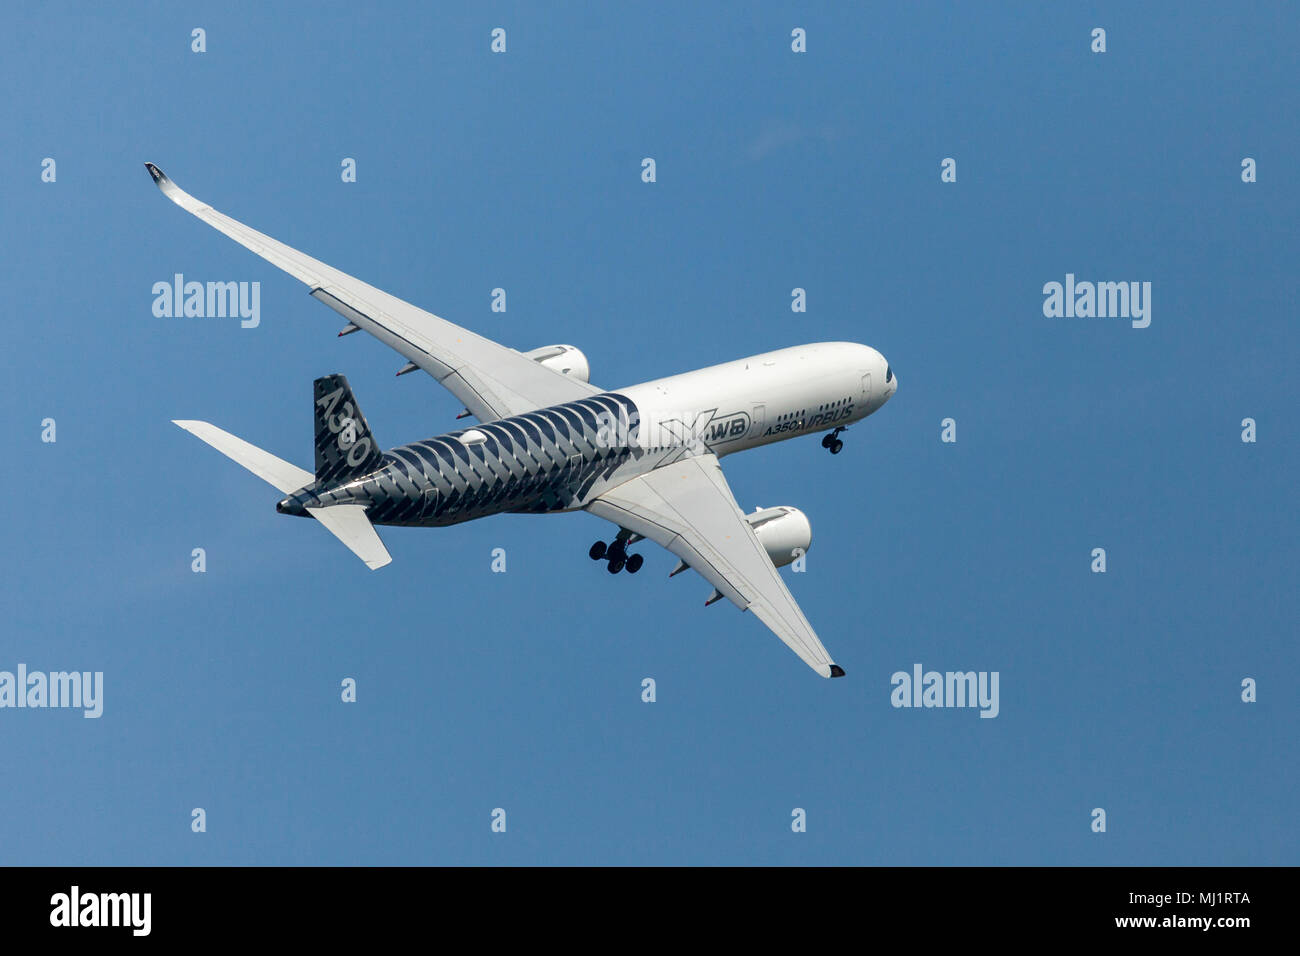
column 564, row 359
column 782, row 531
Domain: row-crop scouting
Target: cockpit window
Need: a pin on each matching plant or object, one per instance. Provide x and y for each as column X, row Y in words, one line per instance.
column 889, row 374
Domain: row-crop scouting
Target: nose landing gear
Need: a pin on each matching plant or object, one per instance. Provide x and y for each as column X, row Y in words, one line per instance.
column 832, row 441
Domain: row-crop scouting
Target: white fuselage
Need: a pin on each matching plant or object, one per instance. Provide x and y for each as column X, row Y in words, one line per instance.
column 562, row 457
column 764, row 398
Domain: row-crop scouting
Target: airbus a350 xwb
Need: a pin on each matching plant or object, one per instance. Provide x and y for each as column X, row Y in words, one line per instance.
column 646, row 457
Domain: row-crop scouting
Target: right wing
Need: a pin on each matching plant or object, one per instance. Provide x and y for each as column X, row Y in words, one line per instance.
column 493, row 381
column 688, row 508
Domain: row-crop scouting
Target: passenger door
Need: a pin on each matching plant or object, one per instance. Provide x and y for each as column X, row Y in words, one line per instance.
column 758, row 421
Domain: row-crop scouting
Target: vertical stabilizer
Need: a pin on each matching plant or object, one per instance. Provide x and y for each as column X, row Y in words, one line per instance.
column 345, row 447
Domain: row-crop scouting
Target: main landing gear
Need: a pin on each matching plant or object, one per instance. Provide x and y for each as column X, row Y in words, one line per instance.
column 832, row 441
column 616, row 554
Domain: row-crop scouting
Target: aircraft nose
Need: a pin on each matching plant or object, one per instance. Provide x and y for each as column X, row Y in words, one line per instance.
column 891, row 382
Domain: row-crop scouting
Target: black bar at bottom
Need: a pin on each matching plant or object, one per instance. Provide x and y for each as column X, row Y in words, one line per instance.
column 373, row 904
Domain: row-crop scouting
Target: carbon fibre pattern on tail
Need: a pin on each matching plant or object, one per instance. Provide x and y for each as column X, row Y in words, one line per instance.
column 345, row 447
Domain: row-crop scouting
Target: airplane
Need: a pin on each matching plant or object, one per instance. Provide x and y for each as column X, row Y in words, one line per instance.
column 646, row 457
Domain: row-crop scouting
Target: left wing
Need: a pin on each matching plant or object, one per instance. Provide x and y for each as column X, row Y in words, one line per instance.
column 493, row 381
column 688, row 508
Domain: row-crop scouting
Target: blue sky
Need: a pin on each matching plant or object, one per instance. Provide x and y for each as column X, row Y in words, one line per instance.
column 775, row 170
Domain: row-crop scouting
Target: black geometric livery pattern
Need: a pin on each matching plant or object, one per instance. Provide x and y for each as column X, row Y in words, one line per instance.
column 540, row 461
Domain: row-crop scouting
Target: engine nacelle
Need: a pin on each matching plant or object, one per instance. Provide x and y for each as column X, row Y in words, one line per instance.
column 782, row 531
column 564, row 359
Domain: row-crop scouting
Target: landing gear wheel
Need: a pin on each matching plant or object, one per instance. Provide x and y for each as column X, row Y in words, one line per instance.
column 836, row 446
column 615, row 565
column 634, row 563
column 827, row 439
column 597, row 551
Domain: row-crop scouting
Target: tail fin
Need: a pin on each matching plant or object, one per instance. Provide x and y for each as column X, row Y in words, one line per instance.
column 345, row 447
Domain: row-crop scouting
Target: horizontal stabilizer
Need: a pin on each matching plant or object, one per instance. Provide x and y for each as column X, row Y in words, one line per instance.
column 350, row 525
column 274, row 471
